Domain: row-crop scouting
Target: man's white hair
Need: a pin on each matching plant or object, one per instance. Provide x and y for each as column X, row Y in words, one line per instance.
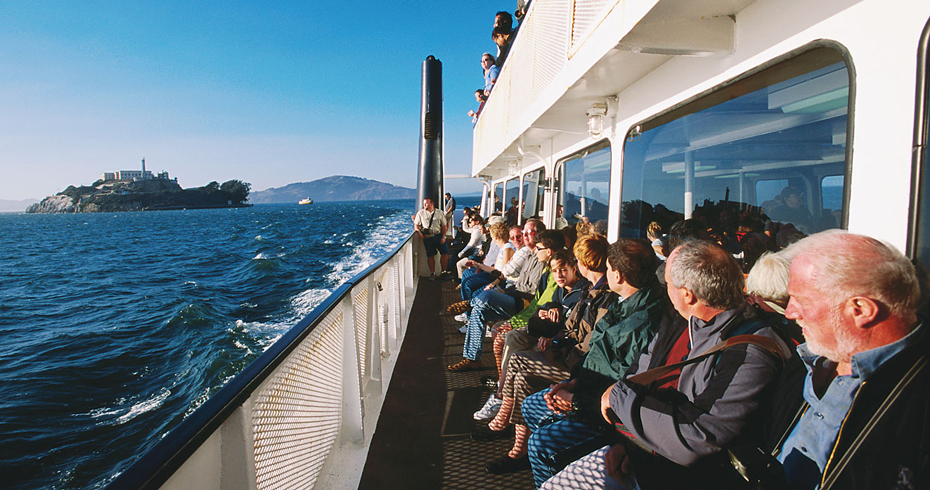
column 848, row 264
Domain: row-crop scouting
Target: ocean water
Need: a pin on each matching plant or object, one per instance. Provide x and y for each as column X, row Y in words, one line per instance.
column 116, row 326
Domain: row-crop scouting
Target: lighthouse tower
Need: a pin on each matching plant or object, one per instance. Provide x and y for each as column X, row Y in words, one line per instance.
column 143, row 168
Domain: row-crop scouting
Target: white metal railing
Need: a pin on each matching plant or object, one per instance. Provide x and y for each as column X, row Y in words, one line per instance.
column 305, row 409
column 551, row 33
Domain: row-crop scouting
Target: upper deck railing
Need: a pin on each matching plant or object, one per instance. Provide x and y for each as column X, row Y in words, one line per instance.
column 302, row 413
column 551, row 35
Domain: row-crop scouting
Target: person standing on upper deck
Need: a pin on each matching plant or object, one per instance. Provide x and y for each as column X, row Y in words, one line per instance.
column 448, row 207
column 430, row 225
column 489, row 65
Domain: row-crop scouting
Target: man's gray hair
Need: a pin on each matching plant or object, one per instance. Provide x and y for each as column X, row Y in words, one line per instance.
column 849, row 265
column 709, row 272
column 769, row 278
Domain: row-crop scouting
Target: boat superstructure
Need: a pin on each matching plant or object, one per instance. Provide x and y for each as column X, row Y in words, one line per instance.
column 627, row 112
column 618, row 113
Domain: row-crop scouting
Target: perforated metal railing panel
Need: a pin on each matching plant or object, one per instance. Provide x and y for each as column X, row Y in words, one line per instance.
column 585, row 18
column 297, row 417
column 360, row 301
column 550, row 36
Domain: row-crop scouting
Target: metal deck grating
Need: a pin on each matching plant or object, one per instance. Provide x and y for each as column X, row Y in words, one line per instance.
column 422, row 439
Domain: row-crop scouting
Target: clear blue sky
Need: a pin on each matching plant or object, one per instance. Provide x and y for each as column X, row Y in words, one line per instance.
column 288, row 92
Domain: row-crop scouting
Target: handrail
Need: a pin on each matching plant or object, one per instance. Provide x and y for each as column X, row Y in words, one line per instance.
column 160, row 462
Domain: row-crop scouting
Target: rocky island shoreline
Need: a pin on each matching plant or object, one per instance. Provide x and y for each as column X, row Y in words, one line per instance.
column 106, row 196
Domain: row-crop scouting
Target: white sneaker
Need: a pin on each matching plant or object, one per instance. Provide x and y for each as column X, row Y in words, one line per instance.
column 464, row 329
column 488, row 334
column 490, row 408
column 461, row 317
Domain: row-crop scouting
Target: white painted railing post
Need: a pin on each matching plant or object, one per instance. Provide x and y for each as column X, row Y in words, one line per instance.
column 400, row 266
column 352, row 431
column 398, row 327
column 373, row 329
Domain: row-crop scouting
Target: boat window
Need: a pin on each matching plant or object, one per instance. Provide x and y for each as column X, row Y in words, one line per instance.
column 534, row 188
column 497, row 197
column 582, row 186
column 512, row 200
column 766, row 155
column 920, row 235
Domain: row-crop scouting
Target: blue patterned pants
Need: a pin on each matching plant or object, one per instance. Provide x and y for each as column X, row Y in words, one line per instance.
column 556, row 440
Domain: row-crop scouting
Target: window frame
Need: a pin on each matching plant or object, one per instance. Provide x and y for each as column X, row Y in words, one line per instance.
column 919, row 164
column 557, row 183
column 745, row 83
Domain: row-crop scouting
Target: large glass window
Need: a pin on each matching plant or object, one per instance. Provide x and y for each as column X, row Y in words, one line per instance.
column 583, row 188
column 765, row 155
column 512, row 201
column 534, row 190
column 497, row 199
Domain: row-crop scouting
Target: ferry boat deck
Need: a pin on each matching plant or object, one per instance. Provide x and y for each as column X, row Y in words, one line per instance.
column 418, row 443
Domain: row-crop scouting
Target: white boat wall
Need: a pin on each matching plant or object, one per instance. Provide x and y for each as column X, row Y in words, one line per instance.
column 649, row 63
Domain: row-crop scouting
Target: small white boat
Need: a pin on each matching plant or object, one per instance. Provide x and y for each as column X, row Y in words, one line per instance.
column 306, row 201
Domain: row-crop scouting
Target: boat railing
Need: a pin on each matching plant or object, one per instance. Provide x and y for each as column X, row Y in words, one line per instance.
column 551, row 34
column 303, row 412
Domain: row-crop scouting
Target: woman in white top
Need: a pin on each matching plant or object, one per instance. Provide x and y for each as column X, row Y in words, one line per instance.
column 507, row 249
column 476, row 228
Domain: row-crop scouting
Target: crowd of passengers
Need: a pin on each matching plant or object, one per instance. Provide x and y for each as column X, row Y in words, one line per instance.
column 502, row 35
column 660, row 364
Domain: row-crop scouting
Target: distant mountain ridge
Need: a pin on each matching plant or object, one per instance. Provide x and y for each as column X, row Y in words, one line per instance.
column 11, row 206
column 335, row 188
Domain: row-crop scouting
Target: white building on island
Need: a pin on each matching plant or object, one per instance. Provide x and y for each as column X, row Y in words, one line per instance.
column 132, row 175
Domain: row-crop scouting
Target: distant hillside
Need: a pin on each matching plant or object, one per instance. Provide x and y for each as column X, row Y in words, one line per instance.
column 8, row 206
column 335, row 188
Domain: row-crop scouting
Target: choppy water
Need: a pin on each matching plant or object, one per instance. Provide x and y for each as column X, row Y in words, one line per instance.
column 116, row 326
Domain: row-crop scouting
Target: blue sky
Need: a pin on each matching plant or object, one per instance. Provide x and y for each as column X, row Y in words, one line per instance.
column 269, row 94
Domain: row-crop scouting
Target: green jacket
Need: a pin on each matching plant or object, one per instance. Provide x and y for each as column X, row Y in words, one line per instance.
column 542, row 297
column 620, row 335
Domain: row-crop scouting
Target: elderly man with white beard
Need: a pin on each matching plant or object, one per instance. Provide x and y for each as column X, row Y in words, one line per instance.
column 866, row 421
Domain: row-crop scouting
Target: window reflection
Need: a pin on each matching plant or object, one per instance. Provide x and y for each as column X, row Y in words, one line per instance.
column 583, row 188
column 767, row 157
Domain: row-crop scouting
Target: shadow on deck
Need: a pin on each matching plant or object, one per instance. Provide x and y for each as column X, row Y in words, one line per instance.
column 422, row 439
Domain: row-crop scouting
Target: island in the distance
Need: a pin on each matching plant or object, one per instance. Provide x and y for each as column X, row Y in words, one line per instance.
column 132, row 190
column 333, row 188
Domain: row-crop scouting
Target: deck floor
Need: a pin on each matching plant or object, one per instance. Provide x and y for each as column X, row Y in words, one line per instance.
column 422, row 439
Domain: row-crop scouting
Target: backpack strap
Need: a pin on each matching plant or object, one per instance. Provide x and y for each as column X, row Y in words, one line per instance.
column 767, row 344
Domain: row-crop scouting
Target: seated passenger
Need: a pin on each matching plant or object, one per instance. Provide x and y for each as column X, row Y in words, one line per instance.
column 500, row 303
column 654, row 234
column 867, row 385
column 680, row 422
column 767, row 291
column 793, row 211
column 560, row 221
column 591, row 254
column 478, row 275
column 570, row 288
column 551, row 316
column 620, row 332
column 473, row 247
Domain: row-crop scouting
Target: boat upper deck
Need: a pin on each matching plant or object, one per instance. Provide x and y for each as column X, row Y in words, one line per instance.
column 423, row 434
